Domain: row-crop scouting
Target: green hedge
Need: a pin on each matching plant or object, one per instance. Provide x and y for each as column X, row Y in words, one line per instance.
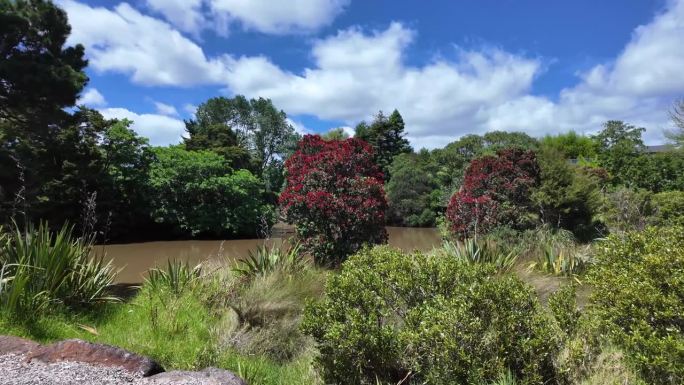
column 388, row 316
column 639, row 295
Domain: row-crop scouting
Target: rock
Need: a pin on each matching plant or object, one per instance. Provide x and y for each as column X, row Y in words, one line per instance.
column 208, row 376
column 16, row 345
column 95, row 354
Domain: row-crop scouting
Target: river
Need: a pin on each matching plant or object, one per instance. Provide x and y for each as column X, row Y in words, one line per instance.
column 134, row 259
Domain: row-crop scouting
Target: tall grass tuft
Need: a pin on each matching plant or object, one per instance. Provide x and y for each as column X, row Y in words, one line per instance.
column 476, row 251
column 40, row 268
column 265, row 260
column 568, row 261
column 177, row 277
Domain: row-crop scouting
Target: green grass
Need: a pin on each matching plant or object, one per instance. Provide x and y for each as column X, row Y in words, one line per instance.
column 185, row 326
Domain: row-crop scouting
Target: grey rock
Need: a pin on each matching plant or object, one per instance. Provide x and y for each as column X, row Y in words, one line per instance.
column 208, row 376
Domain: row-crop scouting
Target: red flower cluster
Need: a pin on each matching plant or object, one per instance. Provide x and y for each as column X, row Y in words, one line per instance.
column 496, row 191
column 335, row 197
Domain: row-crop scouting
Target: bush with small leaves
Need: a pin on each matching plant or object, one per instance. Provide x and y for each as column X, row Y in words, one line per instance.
column 638, row 294
column 388, row 317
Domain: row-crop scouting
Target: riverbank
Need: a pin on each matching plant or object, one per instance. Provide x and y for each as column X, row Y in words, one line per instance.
column 135, row 259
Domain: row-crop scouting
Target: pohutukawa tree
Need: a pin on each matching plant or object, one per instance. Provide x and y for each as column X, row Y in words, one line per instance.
column 496, row 191
column 335, row 197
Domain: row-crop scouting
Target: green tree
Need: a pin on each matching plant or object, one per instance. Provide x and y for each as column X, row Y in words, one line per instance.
column 38, row 74
column 46, row 154
column 571, row 145
column 127, row 161
column 237, row 127
column 197, row 193
column 618, row 144
column 656, row 172
column 568, row 197
column 412, row 195
column 386, row 136
column 498, row 140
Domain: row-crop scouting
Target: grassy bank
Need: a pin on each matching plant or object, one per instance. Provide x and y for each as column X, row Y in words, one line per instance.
column 247, row 318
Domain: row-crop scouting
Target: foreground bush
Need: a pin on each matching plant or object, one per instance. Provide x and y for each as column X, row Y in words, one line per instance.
column 390, row 317
column 639, row 295
column 39, row 268
column 334, row 195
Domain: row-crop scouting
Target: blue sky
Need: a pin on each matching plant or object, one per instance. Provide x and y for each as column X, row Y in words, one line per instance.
column 450, row 67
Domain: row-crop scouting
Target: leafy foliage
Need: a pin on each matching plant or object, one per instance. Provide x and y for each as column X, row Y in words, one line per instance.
column 618, row 144
column 386, row 136
column 669, row 207
column 496, row 191
column 251, row 134
column 412, row 195
column 198, row 193
column 639, row 295
column 391, row 317
column 568, row 196
column 334, row 196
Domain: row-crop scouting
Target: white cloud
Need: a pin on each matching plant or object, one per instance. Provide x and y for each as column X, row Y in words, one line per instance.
column 277, row 17
column 299, row 127
column 355, row 73
column 186, row 15
column 474, row 91
column 160, row 129
column 165, row 109
column 267, row 16
column 124, row 40
column 92, row 98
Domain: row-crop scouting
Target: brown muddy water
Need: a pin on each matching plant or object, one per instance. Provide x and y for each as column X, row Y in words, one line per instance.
column 134, row 259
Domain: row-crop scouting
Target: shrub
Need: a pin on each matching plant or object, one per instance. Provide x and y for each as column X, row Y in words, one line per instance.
column 390, row 317
column 669, row 208
column 626, row 209
column 639, row 295
column 335, row 197
column 496, row 191
column 563, row 306
column 39, row 268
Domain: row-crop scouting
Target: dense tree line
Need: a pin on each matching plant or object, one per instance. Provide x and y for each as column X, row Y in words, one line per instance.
column 63, row 163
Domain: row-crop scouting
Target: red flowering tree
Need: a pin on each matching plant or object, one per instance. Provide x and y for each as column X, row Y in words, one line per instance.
column 335, row 197
column 496, row 191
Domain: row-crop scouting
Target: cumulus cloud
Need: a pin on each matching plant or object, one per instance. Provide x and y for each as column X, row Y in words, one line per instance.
column 277, row 17
column 165, row 109
column 186, row 15
column 160, row 129
column 124, row 40
column 267, row 16
column 92, row 98
column 356, row 72
column 474, row 91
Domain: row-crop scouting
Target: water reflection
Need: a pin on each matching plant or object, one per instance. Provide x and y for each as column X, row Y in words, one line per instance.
column 136, row 258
